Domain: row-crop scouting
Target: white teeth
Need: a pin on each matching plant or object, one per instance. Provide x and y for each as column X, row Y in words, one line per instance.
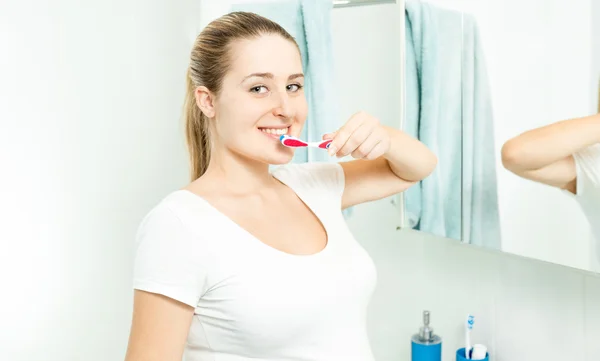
column 275, row 131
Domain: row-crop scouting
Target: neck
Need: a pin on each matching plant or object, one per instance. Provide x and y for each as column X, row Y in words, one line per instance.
column 235, row 174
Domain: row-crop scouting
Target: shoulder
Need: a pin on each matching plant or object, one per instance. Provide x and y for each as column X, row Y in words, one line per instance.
column 161, row 227
column 171, row 258
column 174, row 219
column 312, row 175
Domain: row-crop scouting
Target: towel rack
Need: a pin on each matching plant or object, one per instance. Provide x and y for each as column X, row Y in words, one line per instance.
column 349, row 3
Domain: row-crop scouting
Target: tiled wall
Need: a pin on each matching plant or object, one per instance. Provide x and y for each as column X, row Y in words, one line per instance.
column 524, row 309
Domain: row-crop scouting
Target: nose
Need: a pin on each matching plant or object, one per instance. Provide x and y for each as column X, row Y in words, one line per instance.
column 283, row 107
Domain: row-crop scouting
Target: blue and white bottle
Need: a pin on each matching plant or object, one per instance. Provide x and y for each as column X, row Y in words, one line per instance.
column 425, row 345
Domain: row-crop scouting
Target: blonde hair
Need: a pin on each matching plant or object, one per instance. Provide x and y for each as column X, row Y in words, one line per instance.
column 209, row 62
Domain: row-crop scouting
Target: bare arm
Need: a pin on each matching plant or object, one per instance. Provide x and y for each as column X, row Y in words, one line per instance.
column 159, row 328
column 406, row 162
column 545, row 154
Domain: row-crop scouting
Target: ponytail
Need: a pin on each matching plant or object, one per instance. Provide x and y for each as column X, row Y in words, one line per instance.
column 196, row 132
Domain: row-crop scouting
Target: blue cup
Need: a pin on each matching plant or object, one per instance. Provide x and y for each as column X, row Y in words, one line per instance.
column 460, row 355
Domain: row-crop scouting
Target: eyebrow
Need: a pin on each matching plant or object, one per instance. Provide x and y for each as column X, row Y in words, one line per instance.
column 271, row 76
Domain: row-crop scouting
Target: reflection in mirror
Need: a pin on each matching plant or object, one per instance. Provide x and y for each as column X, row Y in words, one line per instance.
column 530, row 129
column 565, row 156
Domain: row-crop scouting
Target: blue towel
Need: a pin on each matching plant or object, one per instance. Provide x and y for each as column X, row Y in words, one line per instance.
column 322, row 116
column 481, row 225
column 448, row 108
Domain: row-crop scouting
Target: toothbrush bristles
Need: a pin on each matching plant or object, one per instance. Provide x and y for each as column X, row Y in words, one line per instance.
column 470, row 321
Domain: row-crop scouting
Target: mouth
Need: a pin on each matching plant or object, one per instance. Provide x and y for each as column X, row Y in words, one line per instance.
column 275, row 133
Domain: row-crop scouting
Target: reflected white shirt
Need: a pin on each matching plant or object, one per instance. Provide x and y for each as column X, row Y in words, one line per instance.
column 587, row 163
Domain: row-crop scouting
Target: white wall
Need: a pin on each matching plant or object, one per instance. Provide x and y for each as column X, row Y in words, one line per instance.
column 90, row 95
column 540, row 65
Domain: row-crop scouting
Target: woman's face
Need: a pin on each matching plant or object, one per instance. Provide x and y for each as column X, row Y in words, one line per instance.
column 262, row 97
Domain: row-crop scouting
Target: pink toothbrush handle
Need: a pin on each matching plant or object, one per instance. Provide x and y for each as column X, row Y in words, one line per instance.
column 325, row 144
column 293, row 142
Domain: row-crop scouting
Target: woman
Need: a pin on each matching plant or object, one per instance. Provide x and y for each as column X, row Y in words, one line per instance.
column 248, row 264
column 565, row 155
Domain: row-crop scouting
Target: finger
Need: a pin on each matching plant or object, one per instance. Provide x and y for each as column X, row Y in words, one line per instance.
column 342, row 135
column 356, row 139
column 366, row 147
column 376, row 152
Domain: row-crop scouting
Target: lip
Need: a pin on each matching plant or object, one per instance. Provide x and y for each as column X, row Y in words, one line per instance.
column 275, row 127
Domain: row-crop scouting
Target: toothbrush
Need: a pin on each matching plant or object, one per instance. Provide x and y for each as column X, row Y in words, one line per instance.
column 469, row 327
column 294, row 142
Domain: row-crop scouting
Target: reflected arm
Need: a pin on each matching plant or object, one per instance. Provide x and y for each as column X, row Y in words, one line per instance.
column 545, row 154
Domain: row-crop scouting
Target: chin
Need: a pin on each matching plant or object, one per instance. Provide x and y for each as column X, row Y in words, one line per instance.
column 265, row 149
column 275, row 153
column 280, row 157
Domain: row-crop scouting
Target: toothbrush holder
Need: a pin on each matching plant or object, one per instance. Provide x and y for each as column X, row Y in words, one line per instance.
column 460, row 356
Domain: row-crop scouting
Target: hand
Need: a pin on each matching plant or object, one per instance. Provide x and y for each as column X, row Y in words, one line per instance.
column 362, row 137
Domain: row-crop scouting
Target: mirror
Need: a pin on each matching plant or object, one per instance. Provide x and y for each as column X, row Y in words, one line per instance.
column 526, row 99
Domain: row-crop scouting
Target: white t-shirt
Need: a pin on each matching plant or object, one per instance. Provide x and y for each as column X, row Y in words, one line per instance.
column 587, row 163
column 252, row 301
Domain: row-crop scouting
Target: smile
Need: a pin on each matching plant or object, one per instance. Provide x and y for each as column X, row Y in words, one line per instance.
column 274, row 132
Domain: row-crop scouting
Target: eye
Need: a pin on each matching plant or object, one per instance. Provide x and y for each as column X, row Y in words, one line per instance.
column 259, row 89
column 294, row 87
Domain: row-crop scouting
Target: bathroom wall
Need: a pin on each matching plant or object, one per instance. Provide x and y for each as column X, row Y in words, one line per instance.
column 540, row 68
column 90, row 138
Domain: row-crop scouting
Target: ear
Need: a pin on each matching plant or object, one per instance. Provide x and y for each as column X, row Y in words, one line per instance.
column 205, row 101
